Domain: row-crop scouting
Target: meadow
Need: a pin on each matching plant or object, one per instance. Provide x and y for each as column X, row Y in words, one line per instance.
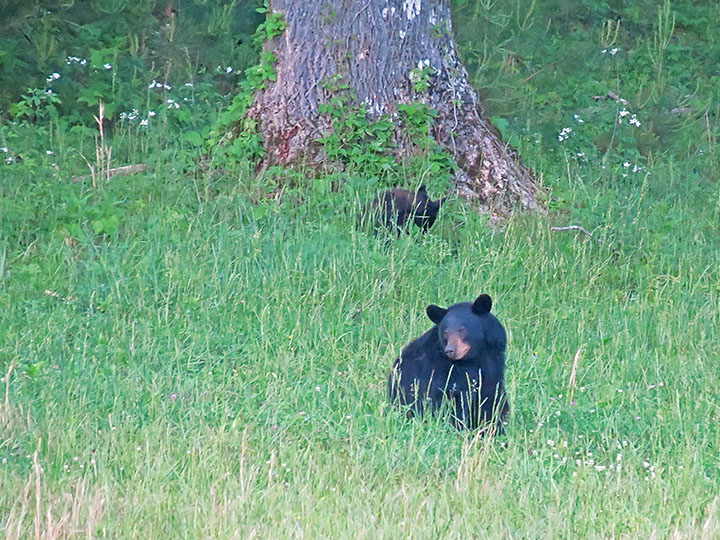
column 192, row 353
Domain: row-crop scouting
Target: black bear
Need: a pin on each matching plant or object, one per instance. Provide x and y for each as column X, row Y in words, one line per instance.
column 461, row 360
column 395, row 208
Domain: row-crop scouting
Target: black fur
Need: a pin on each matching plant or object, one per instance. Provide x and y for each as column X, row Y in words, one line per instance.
column 396, row 208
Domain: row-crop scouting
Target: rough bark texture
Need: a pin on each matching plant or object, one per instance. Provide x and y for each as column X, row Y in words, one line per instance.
column 374, row 45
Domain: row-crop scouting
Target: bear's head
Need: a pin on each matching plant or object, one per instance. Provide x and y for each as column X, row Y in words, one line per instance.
column 426, row 210
column 468, row 330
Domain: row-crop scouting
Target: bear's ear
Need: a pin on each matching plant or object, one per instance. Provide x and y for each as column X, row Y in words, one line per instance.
column 435, row 313
column 422, row 190
column 482, row 304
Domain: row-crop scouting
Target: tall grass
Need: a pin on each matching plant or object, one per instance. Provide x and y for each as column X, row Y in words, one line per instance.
column 216, row 368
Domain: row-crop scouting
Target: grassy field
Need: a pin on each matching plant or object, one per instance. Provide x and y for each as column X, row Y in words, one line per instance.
column 215, row 368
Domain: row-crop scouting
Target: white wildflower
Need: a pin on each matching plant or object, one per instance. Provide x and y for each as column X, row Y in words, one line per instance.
column 564, row 134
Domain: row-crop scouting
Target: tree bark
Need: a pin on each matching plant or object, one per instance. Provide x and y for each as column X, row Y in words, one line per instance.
column 375, row 45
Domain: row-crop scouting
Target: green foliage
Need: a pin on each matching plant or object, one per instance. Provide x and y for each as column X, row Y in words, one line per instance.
column 274, row 25
column 139, row 59
column 366, row 147
column 36, row 105
column 235, row 137
column 541, row 66
column 421, row 78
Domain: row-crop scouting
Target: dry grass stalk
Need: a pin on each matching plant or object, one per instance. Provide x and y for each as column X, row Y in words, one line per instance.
column 103, row 153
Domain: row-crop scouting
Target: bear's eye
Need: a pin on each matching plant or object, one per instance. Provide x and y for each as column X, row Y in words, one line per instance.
column 445, row 335
column 462, row 333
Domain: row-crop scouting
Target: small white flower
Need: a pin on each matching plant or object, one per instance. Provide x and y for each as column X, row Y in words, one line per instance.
column 189, row 84
column 144, row 122
column 624, row 113
column 580, row 154
column 167, row 86
column 564, row 134
column 625, row 165
column 4, row 149
column 579, row 120
column 52, row 77
column 550, row 443
column 603, row 51
column 151, row 113
column 614, row 51
column 107, row 66
column 229, row 69
column 152, row 84
column 49, row 152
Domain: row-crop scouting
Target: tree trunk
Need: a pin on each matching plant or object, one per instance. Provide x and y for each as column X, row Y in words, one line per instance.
column 375, row 45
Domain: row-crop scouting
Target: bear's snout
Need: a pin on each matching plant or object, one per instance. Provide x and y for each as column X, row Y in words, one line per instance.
column 456, row 348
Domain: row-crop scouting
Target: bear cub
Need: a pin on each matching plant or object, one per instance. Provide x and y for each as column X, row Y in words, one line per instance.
column 461, row 361
column 396, row 208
